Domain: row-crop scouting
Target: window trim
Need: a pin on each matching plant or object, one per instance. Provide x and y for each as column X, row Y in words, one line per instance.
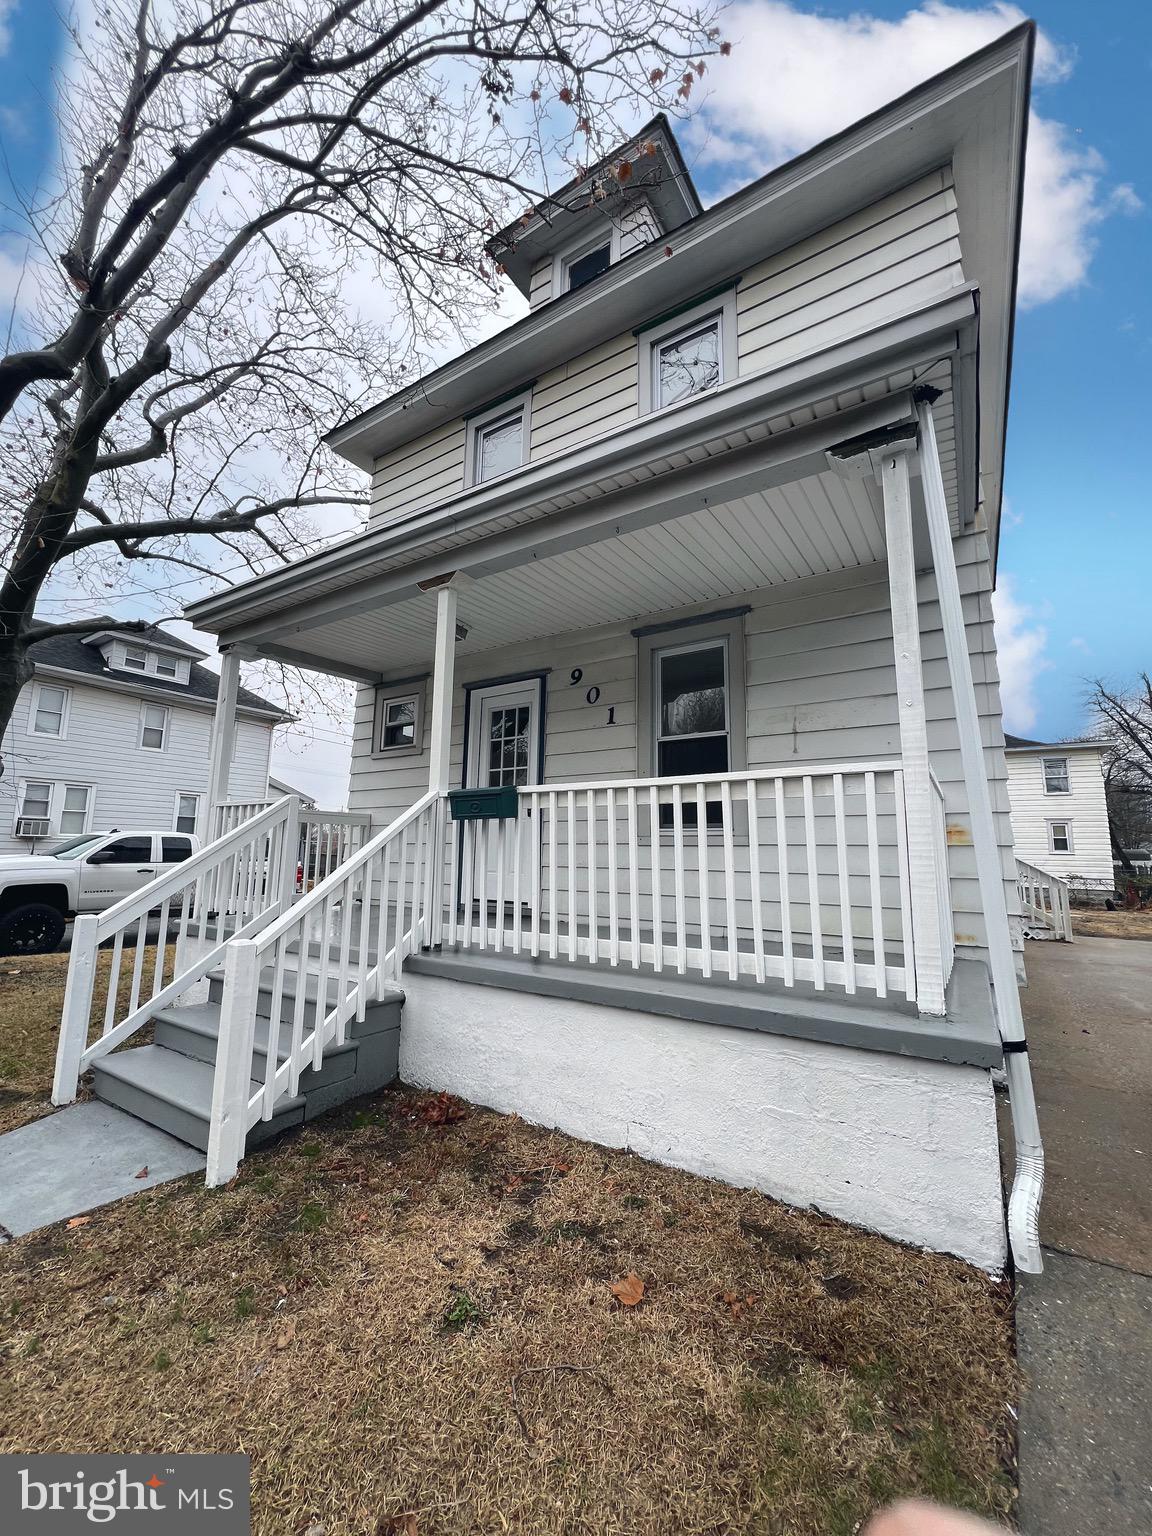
column 648, row 340
column 62, row 733
column 398, row 693
column 479, row 423
column 145, row 706
column 606, row 232
column 1044, row 761
column 1065, row 822
column 185, row 794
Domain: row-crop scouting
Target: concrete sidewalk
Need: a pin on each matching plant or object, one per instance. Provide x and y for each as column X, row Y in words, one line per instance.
column 1085, row 1325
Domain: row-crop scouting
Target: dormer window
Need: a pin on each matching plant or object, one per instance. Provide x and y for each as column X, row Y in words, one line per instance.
column 167, row 666
column 135, row 658
column 582, row 269
column 583, row 259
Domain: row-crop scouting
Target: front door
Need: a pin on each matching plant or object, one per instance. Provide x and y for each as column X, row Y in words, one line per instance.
column 503, row 750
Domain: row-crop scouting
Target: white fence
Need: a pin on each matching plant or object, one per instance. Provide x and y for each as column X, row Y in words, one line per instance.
column 1044, row 903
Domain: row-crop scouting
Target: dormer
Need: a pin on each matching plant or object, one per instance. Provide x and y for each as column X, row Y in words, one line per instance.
column 152, row 655
column 635, row 196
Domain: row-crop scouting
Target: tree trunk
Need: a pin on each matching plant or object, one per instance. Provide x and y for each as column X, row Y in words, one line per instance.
column 15, row 671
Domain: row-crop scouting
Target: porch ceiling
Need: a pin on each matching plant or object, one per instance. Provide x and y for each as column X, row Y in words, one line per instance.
column 807, row 527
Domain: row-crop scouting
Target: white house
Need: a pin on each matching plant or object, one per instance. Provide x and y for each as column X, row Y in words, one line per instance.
column 114, row 730
column 678, row 732
column 1059, row 810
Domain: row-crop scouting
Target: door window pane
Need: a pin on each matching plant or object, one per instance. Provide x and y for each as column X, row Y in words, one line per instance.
column 50, row 704
column 37, row 800
column 187, row 808
column 688, row 365
column 590, row 265
column 74, row 815
column 508, row 745
column 499, row 447
column 129, row 850
column 155, row 727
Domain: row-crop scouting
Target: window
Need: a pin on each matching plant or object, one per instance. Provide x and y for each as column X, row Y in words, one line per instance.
column 135, row 659
column 49, row 711
column 36, row 800
column 497, row 441
column 74, row 809
column 1055, row 771
column 399, row 724
column 508, row 747
column 166, row 666
column 154, row 727
column 584, row 258
column 582, row 269
column 176, row 850
column 687, row 355
column 1060, row 837
column 187, row 811
column 127, row 850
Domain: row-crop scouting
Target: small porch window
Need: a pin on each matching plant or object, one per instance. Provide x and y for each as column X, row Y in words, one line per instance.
column 1059, row 837
column 399, row 721
column 497, row 441
column 1056, row 776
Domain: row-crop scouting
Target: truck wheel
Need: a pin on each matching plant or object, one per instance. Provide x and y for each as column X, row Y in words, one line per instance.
column 34, row 929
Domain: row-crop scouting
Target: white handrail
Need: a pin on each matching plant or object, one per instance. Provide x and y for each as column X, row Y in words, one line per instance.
column 342, row 922
column 1044, row 898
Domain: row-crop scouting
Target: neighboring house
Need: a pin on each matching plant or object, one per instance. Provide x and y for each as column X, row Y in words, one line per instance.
column 279, row 787
column 114, row 730
column 686, row 578
column 1060, row 812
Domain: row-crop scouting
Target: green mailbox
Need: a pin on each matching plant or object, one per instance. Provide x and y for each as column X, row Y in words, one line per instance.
column 493, row 804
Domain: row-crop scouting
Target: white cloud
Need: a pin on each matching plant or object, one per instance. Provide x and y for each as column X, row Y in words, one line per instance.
column 796, row 77
column 6, row 9
column 1020, row 646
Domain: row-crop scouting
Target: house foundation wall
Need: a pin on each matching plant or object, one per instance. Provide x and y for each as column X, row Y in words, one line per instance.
column 899, row 1145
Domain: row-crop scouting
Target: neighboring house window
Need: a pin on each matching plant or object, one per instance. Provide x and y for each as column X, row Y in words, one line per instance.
column 166, row 666
column 497, row 441
column 74, row 811
column 135, row 658
column 688, row 355
column 1056, row 776
column 187, row 810
column 154, row 727
column 1060, row 837
column 49, row 711
column 36, row 800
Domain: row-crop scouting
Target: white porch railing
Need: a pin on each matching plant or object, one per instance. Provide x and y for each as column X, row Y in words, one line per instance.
column 797, row 874
column 327, row 838
column 1044, row 900
column 227, row 890
column 943, row 884
column 349, row 935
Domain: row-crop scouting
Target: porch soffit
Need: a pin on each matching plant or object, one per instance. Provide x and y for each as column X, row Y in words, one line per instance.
column 813, row 526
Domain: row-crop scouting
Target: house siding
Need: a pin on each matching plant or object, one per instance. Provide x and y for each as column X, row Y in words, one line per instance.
column 131, row 786
column 820, row 688
column 841, row 282
column 1084, row 808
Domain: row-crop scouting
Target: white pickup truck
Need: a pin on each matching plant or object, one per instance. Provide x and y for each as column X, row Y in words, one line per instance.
column 40, row 892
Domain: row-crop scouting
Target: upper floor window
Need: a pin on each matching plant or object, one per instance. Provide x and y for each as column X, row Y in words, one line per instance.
column 49, row 711
column 497, row 441
column 582, row 269
column 135, row 658
column 687, row 355
column 1056, row 776
column 582, row 260
column 167, row 666
column 154, row 727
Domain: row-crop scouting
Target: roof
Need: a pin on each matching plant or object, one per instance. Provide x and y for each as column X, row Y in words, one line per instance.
column 283, row 788
column 77, row 653
column 1022, row 744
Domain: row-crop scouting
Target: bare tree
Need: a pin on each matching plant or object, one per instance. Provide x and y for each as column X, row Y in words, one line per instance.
column 268, row 213
column 1124, row 719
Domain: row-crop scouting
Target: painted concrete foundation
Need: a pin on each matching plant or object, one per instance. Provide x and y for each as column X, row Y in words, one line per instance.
column 899, row 1145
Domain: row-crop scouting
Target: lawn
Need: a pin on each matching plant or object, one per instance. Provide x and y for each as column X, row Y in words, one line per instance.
column 1098, row 923
column 419, row 1317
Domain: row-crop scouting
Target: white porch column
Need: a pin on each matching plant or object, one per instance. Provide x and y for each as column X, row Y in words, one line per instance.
column 443, row 667
column 922, row 873
column 223, row 739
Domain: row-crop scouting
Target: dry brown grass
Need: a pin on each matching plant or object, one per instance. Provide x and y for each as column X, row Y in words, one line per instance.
column 31, row 997
column 390, row 1315
column 1098, row 924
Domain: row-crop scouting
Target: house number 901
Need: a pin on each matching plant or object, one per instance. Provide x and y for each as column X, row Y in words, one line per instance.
column 593, row 694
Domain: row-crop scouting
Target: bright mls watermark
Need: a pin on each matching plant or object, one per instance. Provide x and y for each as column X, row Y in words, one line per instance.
column 145, row 1495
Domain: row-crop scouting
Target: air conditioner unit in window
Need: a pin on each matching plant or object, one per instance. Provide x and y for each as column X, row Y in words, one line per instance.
column 33, row 826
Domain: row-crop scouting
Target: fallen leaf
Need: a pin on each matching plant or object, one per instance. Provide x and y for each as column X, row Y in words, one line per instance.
column 398, row 1525
column 284, row 1339
column 78, row 1221
column 443, row 1110
column 629, row 1292
column 143, row 1174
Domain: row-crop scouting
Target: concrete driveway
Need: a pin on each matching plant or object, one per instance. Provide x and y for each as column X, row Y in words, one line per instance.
column 1085, row 1325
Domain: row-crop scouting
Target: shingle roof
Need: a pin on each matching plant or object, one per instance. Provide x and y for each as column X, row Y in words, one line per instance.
column 76, row 654
column 1021, row 741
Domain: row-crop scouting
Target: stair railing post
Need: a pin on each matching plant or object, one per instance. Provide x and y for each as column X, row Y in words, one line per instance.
column 290, row 853
column 77, row 1011
column 228, row 1128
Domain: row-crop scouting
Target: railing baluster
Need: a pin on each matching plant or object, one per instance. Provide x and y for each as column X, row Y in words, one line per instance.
column 534, row 855
column 573, row 926
column 818, row 976
column 703, row 877
column 501, row 873
column 729, row 881
column 657, row 893
column 272, row 1043
column 345, row 958
column 553, row 881
column 517, row 850
column 161, row 949
column 113, row 980
column 846, row 940
column 879, row 955
column 633, row 881
column 613, row 883
column 322, row 975
column 907, row 925
column 678, row 873
column 138, row 961
column 483, row 842
column 784, row 877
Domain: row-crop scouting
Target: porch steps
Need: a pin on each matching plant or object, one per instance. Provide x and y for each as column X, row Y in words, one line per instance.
column 168, row 1084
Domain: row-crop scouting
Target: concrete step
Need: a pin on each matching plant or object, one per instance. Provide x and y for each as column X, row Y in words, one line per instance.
column 174, row 1092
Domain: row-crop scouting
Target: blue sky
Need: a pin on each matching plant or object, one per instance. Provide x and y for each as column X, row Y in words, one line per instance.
column 1074, row 561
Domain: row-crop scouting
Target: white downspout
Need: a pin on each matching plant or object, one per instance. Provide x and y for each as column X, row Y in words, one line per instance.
column 1028, row 1183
